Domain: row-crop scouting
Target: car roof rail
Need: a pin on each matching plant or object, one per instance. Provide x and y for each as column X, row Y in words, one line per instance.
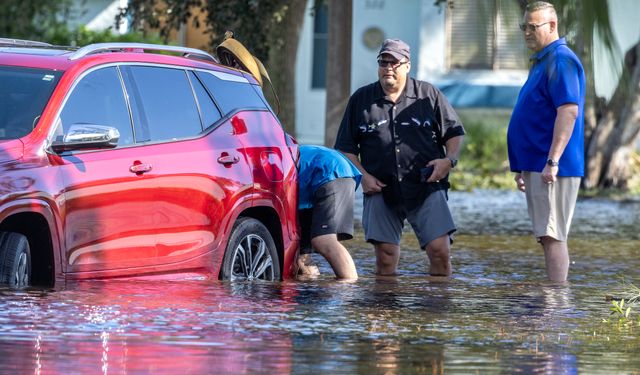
column 140, row 47
column 22, row 43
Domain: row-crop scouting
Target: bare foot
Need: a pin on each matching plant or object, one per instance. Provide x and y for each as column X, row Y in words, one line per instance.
column 306, row 266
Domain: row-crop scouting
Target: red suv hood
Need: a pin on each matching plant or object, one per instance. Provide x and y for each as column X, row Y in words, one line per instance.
column 11, row 150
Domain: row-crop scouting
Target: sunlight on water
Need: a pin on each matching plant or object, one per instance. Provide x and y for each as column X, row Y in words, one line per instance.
column 496, row 315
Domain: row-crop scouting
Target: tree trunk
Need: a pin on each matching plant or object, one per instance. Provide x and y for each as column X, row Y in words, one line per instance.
column 338, row 66
column 281, row 64
column 617, row 131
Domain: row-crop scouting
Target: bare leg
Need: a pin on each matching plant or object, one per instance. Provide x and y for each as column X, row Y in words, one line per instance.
column 438, row 253
column 337, row 255
column 387, row 257
column 556, row 256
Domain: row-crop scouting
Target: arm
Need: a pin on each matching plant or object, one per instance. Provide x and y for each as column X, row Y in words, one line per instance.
column 443, row 166
column 370, row 184
column 562, row 130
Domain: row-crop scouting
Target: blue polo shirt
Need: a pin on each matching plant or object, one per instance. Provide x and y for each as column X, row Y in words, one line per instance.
column 319, row 165
column 556, row 78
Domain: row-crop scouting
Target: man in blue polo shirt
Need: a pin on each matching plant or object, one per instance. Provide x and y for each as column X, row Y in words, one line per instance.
column 546, row 135
column 326, row 189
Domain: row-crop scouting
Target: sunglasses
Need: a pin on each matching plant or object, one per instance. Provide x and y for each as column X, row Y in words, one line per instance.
column 394, row 64
column 532, row 27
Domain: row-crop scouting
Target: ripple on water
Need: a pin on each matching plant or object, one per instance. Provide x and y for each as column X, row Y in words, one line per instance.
column 497, row 314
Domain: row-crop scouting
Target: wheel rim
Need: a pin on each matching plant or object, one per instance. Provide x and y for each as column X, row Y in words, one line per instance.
column 252, row 260
column 21, row 278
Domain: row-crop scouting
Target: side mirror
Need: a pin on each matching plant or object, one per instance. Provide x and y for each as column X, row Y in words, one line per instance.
column 87, row 136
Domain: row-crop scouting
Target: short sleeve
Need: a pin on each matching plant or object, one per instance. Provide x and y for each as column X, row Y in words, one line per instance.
column 451, row 126
column 564, row 81
column 346, row 139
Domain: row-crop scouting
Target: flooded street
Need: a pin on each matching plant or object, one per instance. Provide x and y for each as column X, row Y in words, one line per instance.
column 496, row 315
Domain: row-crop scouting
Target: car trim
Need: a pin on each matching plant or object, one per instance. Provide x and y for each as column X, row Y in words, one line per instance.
column 139, row 47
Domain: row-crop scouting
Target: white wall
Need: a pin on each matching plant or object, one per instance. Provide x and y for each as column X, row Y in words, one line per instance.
column 99, row 15
column 310, row 103
column 397, row 20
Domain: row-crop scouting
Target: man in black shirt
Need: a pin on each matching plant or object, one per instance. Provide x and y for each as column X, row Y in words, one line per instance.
column 404, row 136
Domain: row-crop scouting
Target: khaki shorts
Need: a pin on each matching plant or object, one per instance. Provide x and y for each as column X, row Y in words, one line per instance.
column 551, row 206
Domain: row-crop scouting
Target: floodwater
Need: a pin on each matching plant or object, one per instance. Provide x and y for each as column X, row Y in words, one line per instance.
column 496, row 315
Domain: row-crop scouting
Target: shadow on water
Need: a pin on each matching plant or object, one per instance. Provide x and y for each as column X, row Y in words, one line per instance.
column 496, row 315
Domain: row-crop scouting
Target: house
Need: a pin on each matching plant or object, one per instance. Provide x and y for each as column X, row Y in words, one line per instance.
column 473, row 52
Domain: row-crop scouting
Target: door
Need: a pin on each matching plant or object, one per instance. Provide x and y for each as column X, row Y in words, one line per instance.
column 108, row 196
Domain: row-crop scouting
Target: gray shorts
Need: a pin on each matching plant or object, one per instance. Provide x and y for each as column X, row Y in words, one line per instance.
column 429, row 221
column 332, row 212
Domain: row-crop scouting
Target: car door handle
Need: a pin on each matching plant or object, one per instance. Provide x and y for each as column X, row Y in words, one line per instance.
column 226, row 159
column 140, row 168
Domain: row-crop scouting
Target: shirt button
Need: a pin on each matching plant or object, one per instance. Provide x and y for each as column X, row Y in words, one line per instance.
column 397, row 150
column 398, row 165
column 400, row 179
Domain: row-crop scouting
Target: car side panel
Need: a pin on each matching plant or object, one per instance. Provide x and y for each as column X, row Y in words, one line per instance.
column 275, row 175
column 108, row 218
column 200, row 185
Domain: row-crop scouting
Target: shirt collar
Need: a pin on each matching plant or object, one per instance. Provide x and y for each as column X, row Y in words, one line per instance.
column 553, row 45
column 410, row 90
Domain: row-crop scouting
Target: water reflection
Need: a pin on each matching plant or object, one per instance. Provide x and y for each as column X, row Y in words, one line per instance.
column 496, row 315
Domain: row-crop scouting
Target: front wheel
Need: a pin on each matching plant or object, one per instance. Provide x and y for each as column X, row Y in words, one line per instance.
column 15, row 260
column 251, row 253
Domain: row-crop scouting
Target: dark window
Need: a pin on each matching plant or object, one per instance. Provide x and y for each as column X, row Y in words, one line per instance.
column 485, row 35
column 208, row 109
column 320, row 41
column 98, row 99
column 24, row 92
column 162, row 103
column 229, row 93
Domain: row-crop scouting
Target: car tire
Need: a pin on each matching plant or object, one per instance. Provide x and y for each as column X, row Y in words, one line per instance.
column 251, row 253
column 15, row 260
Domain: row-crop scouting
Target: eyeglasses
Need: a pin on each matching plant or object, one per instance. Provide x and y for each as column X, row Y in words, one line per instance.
column 532, row 27
column 393, row 63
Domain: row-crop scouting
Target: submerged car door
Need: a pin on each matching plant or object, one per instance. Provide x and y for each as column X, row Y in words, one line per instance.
column 108, row 207
column 200, row 170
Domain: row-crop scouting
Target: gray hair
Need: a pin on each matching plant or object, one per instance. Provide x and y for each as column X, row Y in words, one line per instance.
column 542, row 5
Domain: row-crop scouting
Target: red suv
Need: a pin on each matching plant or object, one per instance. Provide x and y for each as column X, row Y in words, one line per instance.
column 116, row 161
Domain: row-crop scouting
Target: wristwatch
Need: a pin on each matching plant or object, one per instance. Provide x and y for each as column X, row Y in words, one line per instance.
column 453, row 161
column 552, row 163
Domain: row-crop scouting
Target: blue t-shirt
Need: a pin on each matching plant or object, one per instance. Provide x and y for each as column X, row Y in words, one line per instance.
column 555, row 79
column 319, row 165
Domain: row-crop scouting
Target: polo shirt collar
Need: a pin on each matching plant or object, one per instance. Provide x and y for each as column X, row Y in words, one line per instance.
column 553, row 45
column 410, row 90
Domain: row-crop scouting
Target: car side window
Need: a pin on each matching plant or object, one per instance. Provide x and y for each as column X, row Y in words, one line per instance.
column 208, row 109
column 230, row 92
column 98, row 99
column 163, row 104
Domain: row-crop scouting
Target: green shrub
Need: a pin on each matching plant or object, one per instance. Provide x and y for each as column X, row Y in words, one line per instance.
column 83, row 36
column 483, row 158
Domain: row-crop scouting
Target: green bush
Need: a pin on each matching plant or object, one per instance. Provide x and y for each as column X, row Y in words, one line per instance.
column 83, row 36
column 483, row 158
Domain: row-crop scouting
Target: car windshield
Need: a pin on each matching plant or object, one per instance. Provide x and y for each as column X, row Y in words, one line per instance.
column 24, row 92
